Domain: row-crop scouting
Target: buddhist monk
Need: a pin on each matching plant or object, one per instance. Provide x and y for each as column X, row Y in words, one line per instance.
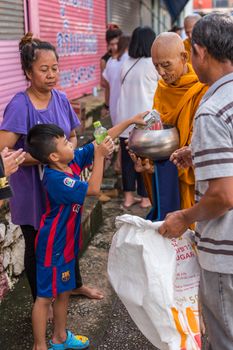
column 189, row 23
column 176, row 99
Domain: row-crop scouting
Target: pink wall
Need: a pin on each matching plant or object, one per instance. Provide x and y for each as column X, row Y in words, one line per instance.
column 77, row 29
column 11, row 77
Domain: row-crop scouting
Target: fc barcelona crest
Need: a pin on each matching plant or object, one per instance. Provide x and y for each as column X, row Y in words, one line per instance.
column 65, row 276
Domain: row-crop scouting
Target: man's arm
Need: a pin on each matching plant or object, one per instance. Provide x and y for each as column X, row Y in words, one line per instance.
column 217, row 200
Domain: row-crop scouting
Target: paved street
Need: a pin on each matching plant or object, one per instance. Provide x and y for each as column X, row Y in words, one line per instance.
column 106, row 322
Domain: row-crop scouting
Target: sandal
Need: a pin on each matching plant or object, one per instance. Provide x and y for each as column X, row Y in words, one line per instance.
column 78, row 342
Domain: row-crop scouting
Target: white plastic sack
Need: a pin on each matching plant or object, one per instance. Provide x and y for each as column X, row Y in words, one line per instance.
column 157, row 280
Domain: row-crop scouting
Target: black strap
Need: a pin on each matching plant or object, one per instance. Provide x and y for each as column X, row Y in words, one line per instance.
column 122, row 82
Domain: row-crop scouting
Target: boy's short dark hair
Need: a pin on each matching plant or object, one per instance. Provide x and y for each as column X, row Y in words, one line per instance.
column 141, row 42
column 41, row 141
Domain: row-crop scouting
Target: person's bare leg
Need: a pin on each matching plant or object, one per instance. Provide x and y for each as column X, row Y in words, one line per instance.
column 39, row 322
column 50, row 314
column 60, row 307
column 89, row 292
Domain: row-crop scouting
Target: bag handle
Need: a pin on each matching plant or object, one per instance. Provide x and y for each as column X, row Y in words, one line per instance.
column 122, row 82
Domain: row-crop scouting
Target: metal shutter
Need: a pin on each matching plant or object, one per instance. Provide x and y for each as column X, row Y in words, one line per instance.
column 124, row 13
column 11, row 19
column 11, row 30
column 146, row 13
column 77, row 29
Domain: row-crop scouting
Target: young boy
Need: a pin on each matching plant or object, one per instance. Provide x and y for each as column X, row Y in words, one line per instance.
column 57, row 241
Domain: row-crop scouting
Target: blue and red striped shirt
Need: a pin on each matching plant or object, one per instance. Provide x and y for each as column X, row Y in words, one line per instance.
column 58, row 238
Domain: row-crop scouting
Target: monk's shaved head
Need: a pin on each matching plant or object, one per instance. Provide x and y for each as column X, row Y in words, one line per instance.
column 192, row 18
column 169, row 56
column 168, row 42
column 189, row 23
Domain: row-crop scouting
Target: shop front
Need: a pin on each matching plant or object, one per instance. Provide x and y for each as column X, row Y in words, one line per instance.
column 75, row 27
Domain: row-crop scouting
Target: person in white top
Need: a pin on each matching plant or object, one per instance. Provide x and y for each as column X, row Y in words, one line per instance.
column 112, row 75
column 139, row 80
column 112, row 37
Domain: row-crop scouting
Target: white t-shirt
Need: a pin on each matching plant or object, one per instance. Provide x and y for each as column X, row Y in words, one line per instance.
column 112, row 74
column 138, row 89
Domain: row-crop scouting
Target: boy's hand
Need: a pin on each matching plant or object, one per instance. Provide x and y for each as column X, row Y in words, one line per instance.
column 138, row 118
column 106, row 147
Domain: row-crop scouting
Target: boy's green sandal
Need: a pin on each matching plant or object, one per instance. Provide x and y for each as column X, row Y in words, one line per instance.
column 72, row 342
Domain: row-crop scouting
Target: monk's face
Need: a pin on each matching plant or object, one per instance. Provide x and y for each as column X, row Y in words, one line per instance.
column 170, row 66
column 189, row 23
column 188, row 27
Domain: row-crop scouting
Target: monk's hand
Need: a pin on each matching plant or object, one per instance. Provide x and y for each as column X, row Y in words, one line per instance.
column 139, row 118
column 137, row 162
column 174, row 225
column 148, row 166
column 127, row 144
column 138, row 165
column 182, row 157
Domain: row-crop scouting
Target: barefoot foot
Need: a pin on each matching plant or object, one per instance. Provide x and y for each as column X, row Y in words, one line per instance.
column 129, row 202
column 145, row 203
column 91, row 293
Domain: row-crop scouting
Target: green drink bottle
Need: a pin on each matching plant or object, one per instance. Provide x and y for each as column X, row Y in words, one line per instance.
column 100, row 132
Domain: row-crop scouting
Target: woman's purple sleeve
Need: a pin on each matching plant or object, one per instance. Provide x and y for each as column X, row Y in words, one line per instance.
column 15, row 118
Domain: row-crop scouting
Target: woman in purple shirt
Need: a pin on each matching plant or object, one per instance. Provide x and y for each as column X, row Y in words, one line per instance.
column 40, row 103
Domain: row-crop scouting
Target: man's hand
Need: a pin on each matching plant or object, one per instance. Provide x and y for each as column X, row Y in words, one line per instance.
column 106, row 147
column 139, row 118
column 12, row 160
column 174, row 225
column 182, row 157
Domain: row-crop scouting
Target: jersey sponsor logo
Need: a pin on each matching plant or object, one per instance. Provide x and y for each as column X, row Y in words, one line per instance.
column 69, row 182
column 76, row 208
column 65, row 276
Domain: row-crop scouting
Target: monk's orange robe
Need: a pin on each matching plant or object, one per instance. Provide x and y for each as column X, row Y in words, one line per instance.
column 177, row 105
column 187, row 46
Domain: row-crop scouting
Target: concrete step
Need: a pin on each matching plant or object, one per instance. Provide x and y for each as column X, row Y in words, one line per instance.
column 92, row 218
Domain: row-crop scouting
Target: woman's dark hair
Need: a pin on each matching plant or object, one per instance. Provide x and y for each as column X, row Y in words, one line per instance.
column 41, row 141
column 123, row 44
column 28, row 48
column 215, row 33
column 141, row 42
column 113, row 31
